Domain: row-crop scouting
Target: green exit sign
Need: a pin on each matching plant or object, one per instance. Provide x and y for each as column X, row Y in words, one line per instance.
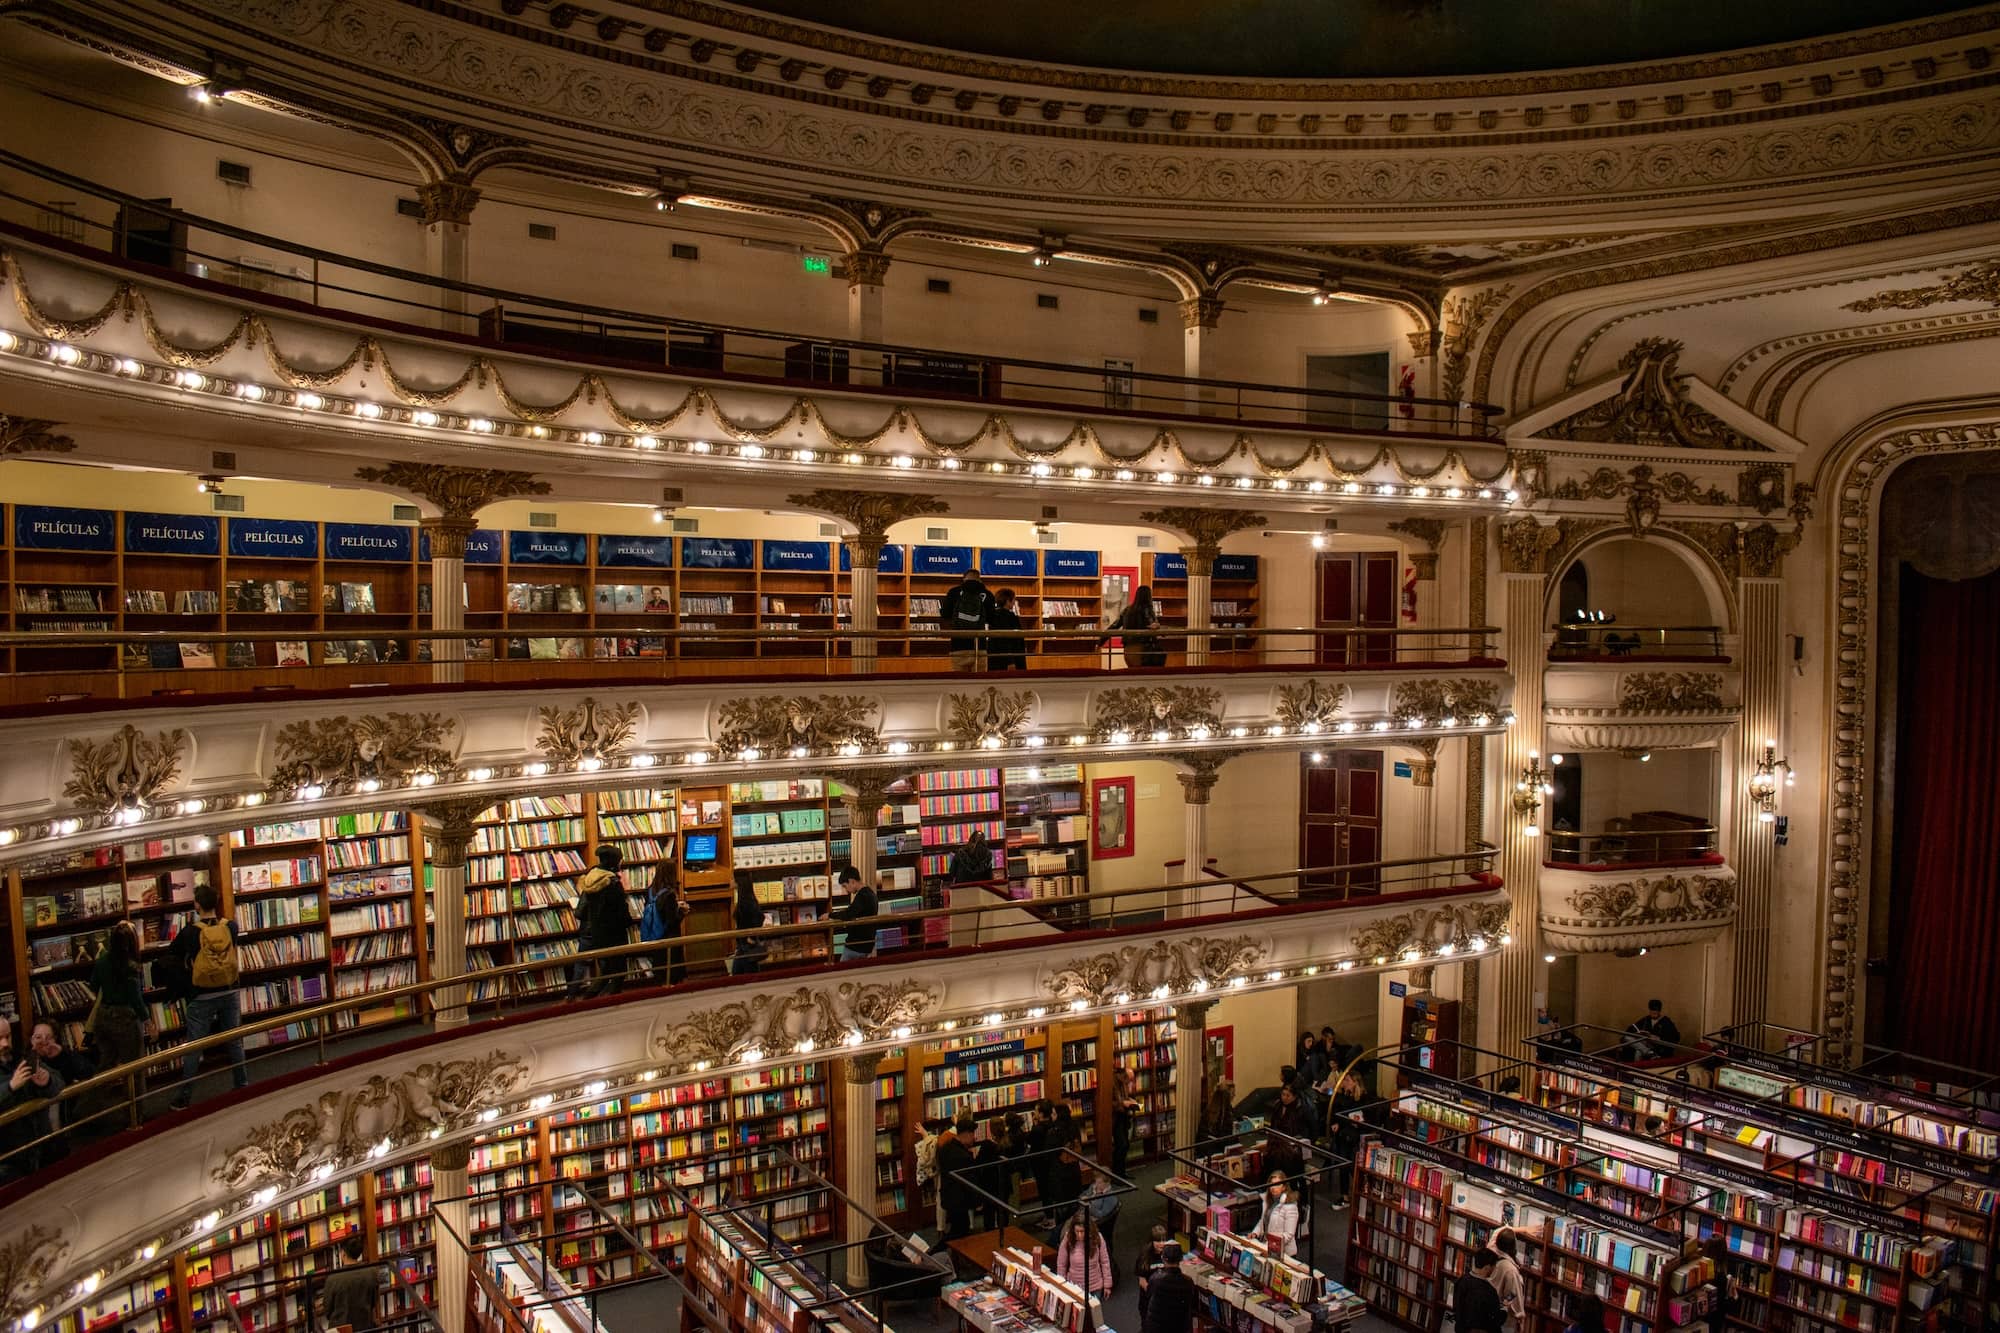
column 817, row 264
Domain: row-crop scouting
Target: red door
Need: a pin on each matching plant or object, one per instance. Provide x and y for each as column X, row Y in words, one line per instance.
column 1357, row 592
column 1340, row 820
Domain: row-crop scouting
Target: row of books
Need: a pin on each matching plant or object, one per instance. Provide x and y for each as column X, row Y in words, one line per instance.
column 58, row 599
column 187, row 601
column 764, row 823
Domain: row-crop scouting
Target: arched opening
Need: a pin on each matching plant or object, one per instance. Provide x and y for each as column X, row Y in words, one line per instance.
column 1624, row 596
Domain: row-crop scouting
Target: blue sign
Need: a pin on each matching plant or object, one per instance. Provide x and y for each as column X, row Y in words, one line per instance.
column 280, row 538
column 891, row 561
column 1403, row 768
column 1398, row 990
column 940, row 559
column 815, row 556
column 649, row 552
column 1069, row 564
column 482, row 547
column 49, row 529
column 1236, row 566
column 1170, row 565
column 368, row 541
column 173, row 534
column 1006, row 563
column 548, row 548
column 718, row 553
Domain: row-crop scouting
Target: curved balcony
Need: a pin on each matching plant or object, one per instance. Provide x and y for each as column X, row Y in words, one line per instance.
column 629, row 393
column 1654, row 880
column 1620, row 704
column 1613, row 642
column 318, row 1109
column 88, row 772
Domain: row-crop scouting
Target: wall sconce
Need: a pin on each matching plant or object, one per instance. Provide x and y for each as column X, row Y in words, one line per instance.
column 1536, row 782
column 1764, row 783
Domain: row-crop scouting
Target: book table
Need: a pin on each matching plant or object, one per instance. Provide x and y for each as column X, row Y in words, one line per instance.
column 1191, row 1206
column 1245, row 1288
column 1020, row 1296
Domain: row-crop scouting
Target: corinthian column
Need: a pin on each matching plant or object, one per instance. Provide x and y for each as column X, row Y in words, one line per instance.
column 857, row 1158
column 1197, row 779
column 1199, row 317
column 867, row 270
column 1526, row 550
column 1190, row 1026
column 449, row 828
column 451, row 1228
column 1205, row 529
column 447, row 206
column 458, row 494
column 867, row 793
column 869, row 515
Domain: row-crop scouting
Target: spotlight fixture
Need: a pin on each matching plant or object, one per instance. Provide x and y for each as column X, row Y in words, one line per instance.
column 210, row 484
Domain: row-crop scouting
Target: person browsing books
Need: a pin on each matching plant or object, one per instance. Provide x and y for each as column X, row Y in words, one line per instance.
column 1082, row 1257
column 349, row 1296
column 1507, row 1276
column 1278, row 1223
column 1168, row 1302
column 1586, row 1316
column 966, row 611
column 861, row 906
column 205, row 952
column 604, row 920
column 1009, row 652
column 666, row 911
column 1475, row 1305
column 747, row 914
column 122, row 1023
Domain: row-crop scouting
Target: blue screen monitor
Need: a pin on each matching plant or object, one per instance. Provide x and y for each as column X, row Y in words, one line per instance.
column 701, row 849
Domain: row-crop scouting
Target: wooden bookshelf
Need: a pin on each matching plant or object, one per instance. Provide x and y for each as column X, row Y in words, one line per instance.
column 1048, row 830
column 1143, row 1040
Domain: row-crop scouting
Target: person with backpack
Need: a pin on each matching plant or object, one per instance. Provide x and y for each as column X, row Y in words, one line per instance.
column 1137, row 627
column 967, row 609
column 665, row 912
column 604, row 918
column 861, row 906
column 205, row 956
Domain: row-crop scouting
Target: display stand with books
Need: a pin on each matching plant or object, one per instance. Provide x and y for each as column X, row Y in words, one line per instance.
column 1247, row 1287
column 1020, row 1296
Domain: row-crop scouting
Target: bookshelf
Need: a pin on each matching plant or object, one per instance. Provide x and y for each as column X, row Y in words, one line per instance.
column 778, row 832
column 745, row 1276
column 1018, row 1293
column 941, row 834
column 1144, row 1042
column 1047, row 831
column 642, row 824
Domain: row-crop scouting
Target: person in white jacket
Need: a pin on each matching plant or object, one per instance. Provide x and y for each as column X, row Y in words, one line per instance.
column 1279, row 1222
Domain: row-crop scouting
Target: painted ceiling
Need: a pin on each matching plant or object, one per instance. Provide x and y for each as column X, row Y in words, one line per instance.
column 1347, row 39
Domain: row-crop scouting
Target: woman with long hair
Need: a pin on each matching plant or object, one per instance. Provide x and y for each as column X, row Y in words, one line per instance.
column 665, row 911
column 748, row 914
column 123, row 1023
column 1137, row 627
column 1279, row 1222
column 1082, row 1256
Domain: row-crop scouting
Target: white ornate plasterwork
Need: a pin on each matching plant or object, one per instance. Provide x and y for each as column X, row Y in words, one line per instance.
column 1140, row 970
column 1610, row 729
column 1584, row 911
column 1851, row 721
column 1636, row 705
column 821, row 1017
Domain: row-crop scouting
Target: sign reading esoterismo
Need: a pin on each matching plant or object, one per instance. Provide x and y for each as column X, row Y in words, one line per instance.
column 283, row 538
column 46, row 528
column 173, row 534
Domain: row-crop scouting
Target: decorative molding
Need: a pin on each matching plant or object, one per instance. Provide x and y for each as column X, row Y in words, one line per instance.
column 1652, row 408
column 587, row 731
column 1587, row 912
column 1139, row 970
column 867, row 792
column 1145, row 709
column 778, row 1023
column 458, row 492
column 450, row 200
column 27, row 1261
column 1464, row 316
column 1427, row 701
column 1201, row 312
column 1528, row 546
column 870, row 513
column 338, row 1128
column 1979, row 283
column 1313, row 704
column 450, row 827
column 1644, row 495
column 126, row 771
column 1204, row 528
column 32, row 435
column 342, row 752
column 866, row 268
column 1430, row 531
column 1199, row 773
column 775, row 725
column 1384, row 939
column 1671, row 692
column 991, row 714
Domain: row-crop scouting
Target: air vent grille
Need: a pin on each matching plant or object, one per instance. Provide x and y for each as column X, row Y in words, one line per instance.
column 1047, row 538
column 540, row 518
column 687, row 525
column 232, row 173
column 404, row 513
column 829, row 529
column 683, row 250
column 222, row 460
column 1147, row 541
column 1047, row 301
column 410, row 208
column 227, row 504
column 541, row 231
column 938, row 286
column 937, row 534
column 1148, row 315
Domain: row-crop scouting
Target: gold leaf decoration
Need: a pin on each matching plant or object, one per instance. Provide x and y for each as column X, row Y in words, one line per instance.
column 1671, row 692
column 1312, row 704
column 1142, row 710
column 588, row 730
column 127, row 771
column 28, row 1260
column 776, row 724
column 990, row 714
column 780, row 1021
column 342, row 752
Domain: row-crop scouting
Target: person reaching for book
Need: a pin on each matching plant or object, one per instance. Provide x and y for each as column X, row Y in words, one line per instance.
column 1279, row 1222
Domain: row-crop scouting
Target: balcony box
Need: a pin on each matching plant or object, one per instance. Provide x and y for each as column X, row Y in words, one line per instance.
column 1635, row 906
column 1637, row 705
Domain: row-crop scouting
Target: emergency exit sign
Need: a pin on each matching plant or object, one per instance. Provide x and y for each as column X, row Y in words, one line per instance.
column 817, row 264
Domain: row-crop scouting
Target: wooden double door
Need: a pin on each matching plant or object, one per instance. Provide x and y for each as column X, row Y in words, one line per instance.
column 1340, row 820
column 1356, row 592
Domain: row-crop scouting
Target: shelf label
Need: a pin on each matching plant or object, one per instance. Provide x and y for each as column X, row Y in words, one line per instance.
column 1236, row 567
column 1398, row 989
column 368, row 541
column 46, row 528
column 647, row 552
column 482, row 547
column 718, row 553
column 1170, row 565
column 1069, row 564
column 812, row 556
column 548, row 548
column 940, row 559
column 282, row 538
column 173, row 534
column 1014, row 564
column 890, row 563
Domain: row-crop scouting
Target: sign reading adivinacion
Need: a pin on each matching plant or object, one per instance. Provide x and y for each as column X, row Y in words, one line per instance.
column 636, row 552
column 548, row 548
column 173, row 534
column 814, row 557
column 276, row 538
column 46, row 528
column 377, row 542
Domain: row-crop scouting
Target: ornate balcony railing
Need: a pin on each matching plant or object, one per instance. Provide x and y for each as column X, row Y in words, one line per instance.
column 1637, row 705
column 1613, row 642
column 1620, row 908
column 1662, row 844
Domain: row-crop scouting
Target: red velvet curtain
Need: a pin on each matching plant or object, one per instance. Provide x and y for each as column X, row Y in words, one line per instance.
column 1945, row 918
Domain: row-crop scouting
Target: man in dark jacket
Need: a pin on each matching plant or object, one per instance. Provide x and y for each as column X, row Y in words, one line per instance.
column 967, row 608
column 972, row 863
column 861, row 904
column 604, row 919
column 1475, row 1304
column 954, row 1155
column 1009, row 653
column 1170, row 1296
column 349, row 1296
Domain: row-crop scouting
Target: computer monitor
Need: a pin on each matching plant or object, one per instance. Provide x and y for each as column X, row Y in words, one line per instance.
column 701, row 849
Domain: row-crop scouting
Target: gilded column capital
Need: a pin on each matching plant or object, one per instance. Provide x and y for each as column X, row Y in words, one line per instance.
column 867, row 792
column 1425, row 343
column 458, row 492
column 451, row 199
column 1201, row 312
column 866, row 268
column 448, row 536
column 452, row 1156
column 1425, row 563
column 870, row 513
column 1430, row 531
column 859, row 1069
column 1192, row 1015
column 1205, row 529
column 450, row 827
column 1199, row 774
column 32, row 435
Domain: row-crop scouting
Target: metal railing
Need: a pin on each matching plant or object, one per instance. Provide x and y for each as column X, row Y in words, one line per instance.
column 1679, row 845
column 109, row 663
column 1611, row 641
column 160, row 238
column 115, row 1100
